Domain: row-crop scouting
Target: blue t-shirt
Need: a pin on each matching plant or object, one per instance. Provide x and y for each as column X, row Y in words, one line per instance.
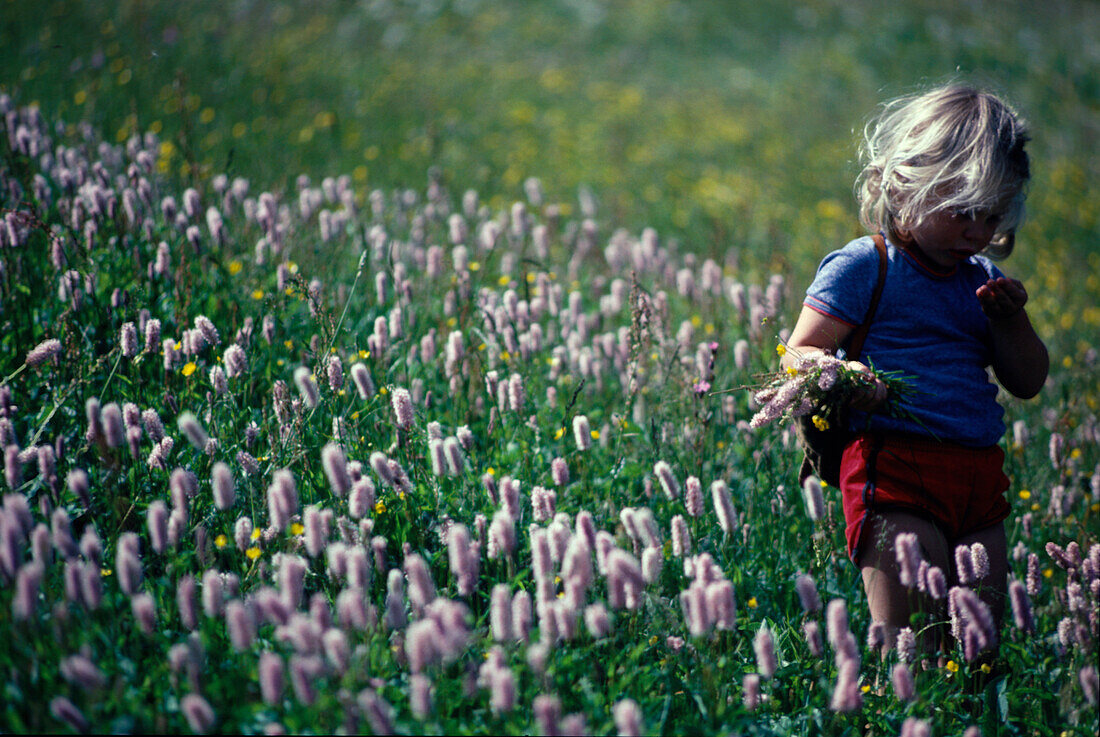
column 928, row 325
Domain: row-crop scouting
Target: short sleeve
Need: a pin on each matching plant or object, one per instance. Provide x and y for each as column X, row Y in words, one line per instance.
column 844, row 283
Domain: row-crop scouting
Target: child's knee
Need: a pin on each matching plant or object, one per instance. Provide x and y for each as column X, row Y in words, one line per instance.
column 879, row 544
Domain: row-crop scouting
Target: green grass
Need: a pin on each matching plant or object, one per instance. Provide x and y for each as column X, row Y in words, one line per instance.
column 729, row 125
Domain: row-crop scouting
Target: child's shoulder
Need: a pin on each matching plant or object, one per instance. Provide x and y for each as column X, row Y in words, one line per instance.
column 858, row 255
column 862, row 247
column 984, row 265
column 843, row 283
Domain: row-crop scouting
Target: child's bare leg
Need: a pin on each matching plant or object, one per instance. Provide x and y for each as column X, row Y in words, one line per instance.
column 992, row 589
column 890, row 601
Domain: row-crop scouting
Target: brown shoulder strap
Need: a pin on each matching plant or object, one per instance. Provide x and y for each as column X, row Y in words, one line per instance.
column 855, row 343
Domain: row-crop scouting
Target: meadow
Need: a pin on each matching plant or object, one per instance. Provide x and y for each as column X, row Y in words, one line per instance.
column 388, row 367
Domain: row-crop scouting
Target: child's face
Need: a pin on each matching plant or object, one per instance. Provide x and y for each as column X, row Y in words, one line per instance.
column 945, row 238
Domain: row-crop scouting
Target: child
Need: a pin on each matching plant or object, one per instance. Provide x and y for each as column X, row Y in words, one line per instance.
column 943, row 180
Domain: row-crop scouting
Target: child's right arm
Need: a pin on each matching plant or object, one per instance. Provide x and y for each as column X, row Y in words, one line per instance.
column 817, row 332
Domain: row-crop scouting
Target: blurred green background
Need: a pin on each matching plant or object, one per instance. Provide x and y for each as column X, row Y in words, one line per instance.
column 730, row 126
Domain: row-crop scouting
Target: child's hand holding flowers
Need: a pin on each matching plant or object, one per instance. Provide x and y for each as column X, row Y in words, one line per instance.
column 818, row 383
column 873, row 392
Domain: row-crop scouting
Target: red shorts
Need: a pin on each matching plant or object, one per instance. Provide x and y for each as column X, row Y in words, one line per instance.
column 960, row 489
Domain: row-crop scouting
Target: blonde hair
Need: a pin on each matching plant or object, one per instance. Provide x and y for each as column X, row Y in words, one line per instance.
column 955, row 149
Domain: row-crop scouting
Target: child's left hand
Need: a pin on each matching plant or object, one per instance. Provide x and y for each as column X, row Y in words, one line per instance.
column 1001, row 298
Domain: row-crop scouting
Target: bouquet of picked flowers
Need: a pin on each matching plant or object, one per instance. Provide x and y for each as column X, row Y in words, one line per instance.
column 815, row 392
column 817, row 384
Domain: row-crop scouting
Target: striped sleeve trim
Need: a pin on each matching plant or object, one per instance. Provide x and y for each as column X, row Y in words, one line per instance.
column 821, row 308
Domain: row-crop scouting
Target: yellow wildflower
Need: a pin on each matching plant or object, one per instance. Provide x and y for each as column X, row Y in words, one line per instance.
column 220, row 541
column 189, row 368
column 752, row 604
column 380, row 507
column 253, row 553
column 297, row 528
column 257, row 294
column 1025, row 494
column 235, row 267
column 820, row 423
column 952, row 666
column 781, row 350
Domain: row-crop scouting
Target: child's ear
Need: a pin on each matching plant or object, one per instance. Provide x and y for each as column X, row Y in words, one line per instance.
column 1001, row 245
